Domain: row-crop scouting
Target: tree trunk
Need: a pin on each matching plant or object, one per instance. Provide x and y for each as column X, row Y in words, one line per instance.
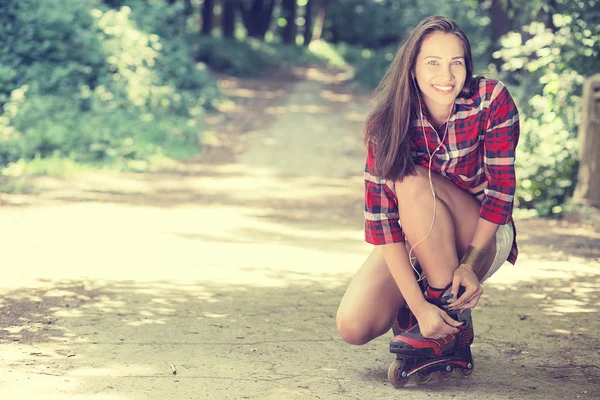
column 288, row 8
column 320, row 20
column 265, row 18
column 587, row 190
column 249, row 16
column 207, row 16
column 308, row 23
column 246, row 17
column 501, row 25
column 229, row 8
column 257, row 16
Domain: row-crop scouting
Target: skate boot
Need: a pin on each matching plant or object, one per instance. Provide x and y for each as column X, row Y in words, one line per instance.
column 405, row 319
column 421, row 357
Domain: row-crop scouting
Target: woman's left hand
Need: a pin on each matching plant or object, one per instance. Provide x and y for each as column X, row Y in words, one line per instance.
column 465, row 276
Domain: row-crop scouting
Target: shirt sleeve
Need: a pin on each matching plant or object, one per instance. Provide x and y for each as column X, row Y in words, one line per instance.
column 382, row 224
column 501, row 138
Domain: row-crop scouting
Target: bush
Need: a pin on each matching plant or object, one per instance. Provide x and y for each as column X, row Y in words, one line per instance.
column 249, row 57
column 552, row 67
column 51, row 46
column 98, row 88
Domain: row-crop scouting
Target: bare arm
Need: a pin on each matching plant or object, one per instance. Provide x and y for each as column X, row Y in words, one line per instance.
column 470, row 276
column 396, row 257
column 485, row 233
column 434, row 322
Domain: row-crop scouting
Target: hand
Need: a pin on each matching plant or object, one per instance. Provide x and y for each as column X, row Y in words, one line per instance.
column 465, row 276
column 435, row 323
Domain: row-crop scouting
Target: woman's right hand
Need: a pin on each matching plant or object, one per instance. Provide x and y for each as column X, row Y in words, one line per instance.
column 435, row 323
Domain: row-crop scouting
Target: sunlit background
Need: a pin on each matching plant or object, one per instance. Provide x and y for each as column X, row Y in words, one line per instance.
column 181, row 198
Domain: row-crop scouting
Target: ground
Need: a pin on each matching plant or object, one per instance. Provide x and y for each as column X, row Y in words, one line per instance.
column 220, row 279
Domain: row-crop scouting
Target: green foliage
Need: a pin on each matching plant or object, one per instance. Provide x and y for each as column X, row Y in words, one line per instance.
column 370, row 33
column 551, row 67
column 383, row 23
column 249, row 57
column 369, row 23
column 98, row 88
column 545, row 66
column 50, row 50
column 325, row 51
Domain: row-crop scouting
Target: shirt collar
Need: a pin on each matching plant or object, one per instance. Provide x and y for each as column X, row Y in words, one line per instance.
column 465, row 103
column 461, row 103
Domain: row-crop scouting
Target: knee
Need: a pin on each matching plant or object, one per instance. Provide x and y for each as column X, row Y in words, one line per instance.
column 351, row 331
column 413, row 186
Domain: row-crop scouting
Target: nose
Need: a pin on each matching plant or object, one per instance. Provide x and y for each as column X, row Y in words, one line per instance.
column 447, row 73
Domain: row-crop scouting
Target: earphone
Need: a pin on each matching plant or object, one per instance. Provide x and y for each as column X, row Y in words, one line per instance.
column 410, row 258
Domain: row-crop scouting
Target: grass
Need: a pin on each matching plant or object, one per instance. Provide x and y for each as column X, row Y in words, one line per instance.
column 14, row 178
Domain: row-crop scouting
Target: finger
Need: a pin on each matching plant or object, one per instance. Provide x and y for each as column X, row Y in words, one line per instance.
column 458, row 304
column 470, row 292
column 451, row 321
column 472, row 302
column 443, row 332
column 454, row 290
column 443, row 335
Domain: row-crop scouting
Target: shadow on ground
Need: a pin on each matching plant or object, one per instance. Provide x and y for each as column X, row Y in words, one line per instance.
column 281, row 342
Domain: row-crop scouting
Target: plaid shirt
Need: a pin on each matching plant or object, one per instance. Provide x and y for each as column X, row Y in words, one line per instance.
column 483, row 132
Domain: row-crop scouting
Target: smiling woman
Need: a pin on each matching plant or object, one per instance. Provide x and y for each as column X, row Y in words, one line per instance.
column 439, row 175
column 440, row 73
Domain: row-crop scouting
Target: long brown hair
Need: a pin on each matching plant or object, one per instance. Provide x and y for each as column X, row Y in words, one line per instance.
column 388, row 125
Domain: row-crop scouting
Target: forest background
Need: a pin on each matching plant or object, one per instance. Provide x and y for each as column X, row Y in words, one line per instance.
column 128, row 84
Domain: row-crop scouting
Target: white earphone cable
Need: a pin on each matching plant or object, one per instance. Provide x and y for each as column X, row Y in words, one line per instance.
column 411, row 259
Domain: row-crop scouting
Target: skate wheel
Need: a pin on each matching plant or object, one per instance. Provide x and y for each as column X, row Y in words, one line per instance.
column 422, row 378
column 465, row 373
column 394, row 374
column 443, row 376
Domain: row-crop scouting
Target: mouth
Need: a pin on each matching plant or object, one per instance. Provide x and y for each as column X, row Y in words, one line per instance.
column 443, row 89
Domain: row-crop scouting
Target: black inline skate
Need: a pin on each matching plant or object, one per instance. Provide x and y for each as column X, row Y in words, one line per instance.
column 421, row 357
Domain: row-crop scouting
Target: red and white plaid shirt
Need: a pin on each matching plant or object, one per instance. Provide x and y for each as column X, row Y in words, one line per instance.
column 483, row 132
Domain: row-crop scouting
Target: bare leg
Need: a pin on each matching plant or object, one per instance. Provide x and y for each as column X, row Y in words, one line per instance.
column 370, row 303
column 372, row 299
column 457, row 214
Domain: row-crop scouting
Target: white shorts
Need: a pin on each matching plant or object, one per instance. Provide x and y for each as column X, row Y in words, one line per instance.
column 505, row 236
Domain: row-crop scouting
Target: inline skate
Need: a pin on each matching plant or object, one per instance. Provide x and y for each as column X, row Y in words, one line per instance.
column 420, row 357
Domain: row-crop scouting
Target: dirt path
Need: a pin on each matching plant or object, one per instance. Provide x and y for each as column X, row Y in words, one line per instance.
column 228, row 270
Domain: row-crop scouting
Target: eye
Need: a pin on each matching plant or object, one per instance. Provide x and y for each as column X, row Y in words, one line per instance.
column 432, row 62
column 457, row 62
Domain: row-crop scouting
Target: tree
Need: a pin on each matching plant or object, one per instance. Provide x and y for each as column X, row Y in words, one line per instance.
column 308, row 22
column 229, row 7
column 587, row 190
column 320, row 20
column 288, row 11
column 257, row 16
column 207, row 16
column 500, row 26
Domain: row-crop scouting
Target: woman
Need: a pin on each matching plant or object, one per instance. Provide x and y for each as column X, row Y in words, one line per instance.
column 439, row 185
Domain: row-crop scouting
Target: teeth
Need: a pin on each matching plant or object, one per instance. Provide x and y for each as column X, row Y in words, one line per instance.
column 443, row 87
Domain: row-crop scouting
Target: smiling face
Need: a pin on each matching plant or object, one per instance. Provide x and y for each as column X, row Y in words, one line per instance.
column 440, row 71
